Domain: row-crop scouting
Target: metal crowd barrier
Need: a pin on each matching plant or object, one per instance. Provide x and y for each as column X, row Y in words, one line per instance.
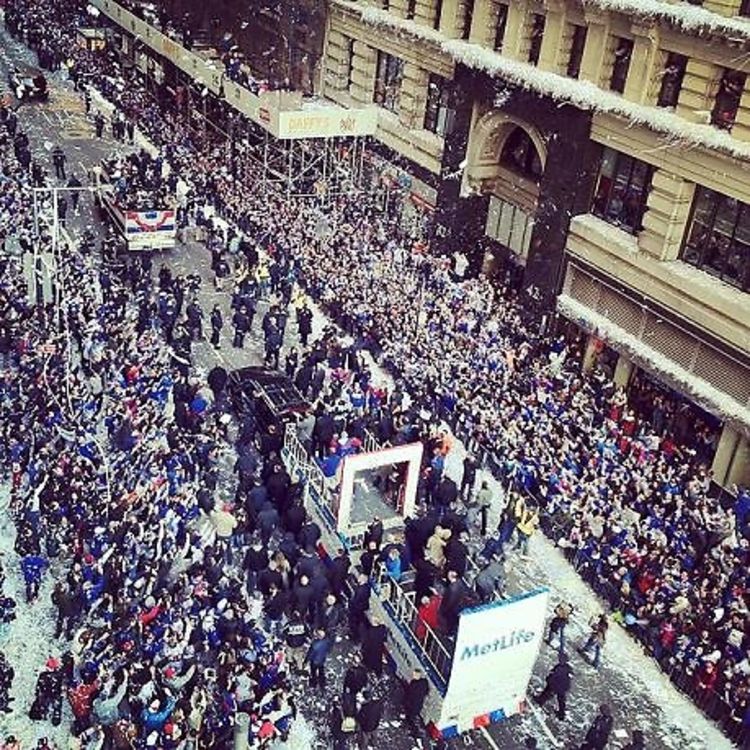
column 399, row 603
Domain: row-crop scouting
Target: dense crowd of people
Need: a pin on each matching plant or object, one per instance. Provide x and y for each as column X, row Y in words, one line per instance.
column 141, row 182
column 618, row 482
column 236, row 65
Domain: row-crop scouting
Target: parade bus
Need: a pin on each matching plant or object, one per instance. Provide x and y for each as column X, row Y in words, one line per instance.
column 152, row 228
column 478, row 674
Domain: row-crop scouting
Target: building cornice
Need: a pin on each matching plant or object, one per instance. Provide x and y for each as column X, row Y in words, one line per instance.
column 583, row 95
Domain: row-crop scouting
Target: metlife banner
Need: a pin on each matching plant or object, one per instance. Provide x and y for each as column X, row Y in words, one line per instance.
column 496, row 648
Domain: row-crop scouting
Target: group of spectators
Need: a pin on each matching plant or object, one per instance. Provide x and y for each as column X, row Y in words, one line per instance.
column 114, row 454
column 618, row 484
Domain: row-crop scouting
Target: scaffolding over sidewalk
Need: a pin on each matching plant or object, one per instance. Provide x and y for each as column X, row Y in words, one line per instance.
column 320, row 168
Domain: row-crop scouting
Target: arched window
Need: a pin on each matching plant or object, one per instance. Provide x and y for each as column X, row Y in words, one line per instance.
column 520, row 155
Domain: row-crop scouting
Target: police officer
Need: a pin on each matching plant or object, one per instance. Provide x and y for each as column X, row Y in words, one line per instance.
column 217, row 323
column 558, row 684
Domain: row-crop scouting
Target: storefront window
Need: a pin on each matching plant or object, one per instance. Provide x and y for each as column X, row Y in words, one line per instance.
column 622, row 190
column 718, row 238
column 390, row 72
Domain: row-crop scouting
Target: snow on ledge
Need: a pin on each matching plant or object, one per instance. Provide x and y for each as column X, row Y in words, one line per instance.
column 586, row 225
column 690, row 18
column 582, row 94
column 687, row 17
column 697, row 388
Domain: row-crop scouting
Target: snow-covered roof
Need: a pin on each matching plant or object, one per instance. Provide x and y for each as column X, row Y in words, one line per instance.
column 582, row 94
column 683, row 15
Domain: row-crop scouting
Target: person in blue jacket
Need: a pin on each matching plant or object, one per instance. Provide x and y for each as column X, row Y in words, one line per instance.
column 32, row 567
column 153, row 718
column 316, row 658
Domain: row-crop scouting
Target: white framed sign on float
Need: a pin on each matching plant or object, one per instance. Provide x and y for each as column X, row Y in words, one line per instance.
column 496, row 648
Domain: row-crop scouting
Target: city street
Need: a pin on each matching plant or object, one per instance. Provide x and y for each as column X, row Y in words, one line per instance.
column 628, row 680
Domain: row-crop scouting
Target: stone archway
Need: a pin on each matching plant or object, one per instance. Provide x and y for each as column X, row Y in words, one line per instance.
column 506, row 159
column 485, row 170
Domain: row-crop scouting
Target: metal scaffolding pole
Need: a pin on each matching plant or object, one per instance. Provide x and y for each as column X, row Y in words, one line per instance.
column 289, row 183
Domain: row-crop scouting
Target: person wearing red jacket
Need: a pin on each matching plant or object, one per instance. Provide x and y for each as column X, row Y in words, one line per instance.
column 705, row 677
column 81, row 699
column 151, row 612
column 427, row 615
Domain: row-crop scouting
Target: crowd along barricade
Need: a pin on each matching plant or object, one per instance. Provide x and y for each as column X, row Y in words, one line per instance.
column 556, row 526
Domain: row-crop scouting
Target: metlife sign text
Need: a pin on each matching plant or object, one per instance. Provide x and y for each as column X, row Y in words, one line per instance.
column 514, row 638
column 496, row 648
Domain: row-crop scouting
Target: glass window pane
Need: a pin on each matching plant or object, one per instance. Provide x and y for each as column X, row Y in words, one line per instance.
column 609, row 159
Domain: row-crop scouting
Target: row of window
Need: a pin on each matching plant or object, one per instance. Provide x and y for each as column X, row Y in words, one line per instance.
column 730, row 85
column 718, row 235
column 726, row 101
column 389, row 74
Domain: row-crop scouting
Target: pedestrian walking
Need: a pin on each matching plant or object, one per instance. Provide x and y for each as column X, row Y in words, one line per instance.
column 638, row 742
column 559, row 622
column 217, row 323
column 373, row 645
column 48, row 694
column 469, row 477
column 558, row 684
column 359, row 603
column 58, row 160
column 241, row 324
column 32, row 567
column 62, row 209
column 484, row 501
column 597, row 736
column 304, row 324
column 68, row 606
column 194, row 316
column 99, row 124
column 316, row 658
column 296, row 634
column 75, row 195
column 37, row 174
column 368, row 719
column 596, row 640
column 415, row 693
column 7, row 674
column 12, row 123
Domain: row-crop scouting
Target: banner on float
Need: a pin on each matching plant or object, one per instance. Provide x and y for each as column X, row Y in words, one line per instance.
column 496, row 649
column 150, row 228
